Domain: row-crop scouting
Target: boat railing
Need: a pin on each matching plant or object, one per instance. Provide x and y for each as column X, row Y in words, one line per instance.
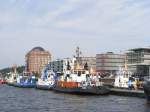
column 91, row 83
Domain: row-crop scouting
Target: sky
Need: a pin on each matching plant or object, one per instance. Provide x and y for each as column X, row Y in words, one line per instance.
column 59, row 26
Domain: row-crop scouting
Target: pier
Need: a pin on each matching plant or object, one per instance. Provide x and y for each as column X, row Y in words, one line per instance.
column 127, row 92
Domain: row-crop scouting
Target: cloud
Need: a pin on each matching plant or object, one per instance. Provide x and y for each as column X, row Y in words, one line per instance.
column 95, row 25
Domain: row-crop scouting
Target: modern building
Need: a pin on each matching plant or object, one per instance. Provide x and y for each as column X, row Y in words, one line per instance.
column 109, row 62
column 60, row 65
column 37, row 59
column 139, row 61
column 91, row 61
column 56, row 65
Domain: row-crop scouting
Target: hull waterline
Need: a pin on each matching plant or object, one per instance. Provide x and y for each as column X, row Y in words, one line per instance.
column 44, row 87
column 100, row 90
column 22, row 85
column 146, row 87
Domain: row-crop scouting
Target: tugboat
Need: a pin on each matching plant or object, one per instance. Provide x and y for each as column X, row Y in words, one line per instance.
column 46, row 82
column 123, row 79
column 79, row 81
column 2, row 79
column 146, row 86
column 12, row 79
column 24, row 80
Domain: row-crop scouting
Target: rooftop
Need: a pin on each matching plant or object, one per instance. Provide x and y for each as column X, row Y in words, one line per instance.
column 140, row 49
column 37, row 49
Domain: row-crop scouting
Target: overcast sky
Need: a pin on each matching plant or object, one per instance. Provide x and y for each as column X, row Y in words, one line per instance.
column 96, row 26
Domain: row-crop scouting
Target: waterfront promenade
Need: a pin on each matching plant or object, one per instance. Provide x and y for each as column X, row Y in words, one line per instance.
column 127, row 92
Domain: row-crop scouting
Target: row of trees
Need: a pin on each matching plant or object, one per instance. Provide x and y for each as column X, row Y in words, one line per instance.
column 4, row 72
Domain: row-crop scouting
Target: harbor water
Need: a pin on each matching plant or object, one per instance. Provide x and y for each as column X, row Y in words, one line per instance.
column 31, row 100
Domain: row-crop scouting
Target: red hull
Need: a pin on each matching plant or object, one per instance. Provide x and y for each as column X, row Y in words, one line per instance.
column 2, row 81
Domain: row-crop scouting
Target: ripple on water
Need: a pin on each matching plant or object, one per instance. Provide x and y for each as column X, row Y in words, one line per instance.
column 31, row 100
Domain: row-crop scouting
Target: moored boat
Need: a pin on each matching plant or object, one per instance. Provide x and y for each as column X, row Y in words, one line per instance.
column 2, row 81
column 80, row 81
column 46, row 82
column 80, row 89
column 12, row 79
column 146, row 86
column 24, row 80
column 123, row 79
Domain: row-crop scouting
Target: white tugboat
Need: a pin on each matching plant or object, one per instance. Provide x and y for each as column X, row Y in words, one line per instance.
column 47, row 81
column 123, row 77
column 12, row 77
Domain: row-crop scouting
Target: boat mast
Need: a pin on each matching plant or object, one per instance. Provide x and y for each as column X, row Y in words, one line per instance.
column 15, row 69
column 78, row 55
column 149, row 71
column 78, row 58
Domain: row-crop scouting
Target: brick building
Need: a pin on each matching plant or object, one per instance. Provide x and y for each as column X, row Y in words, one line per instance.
column 37, row 59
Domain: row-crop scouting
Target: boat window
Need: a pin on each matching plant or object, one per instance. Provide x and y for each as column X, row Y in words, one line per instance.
column 83, row 72
column 131, row 78
column 68, row 75
column 79, row 73
column 87, row 75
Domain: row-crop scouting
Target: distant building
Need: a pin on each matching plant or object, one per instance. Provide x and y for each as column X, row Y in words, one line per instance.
column 91, row 61
column 37, row 59
column 60, row 65
column 139, row 61
column 56, row 65
column 109, row 62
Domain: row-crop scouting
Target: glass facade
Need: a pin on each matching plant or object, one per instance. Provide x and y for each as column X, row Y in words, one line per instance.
column 139, row 61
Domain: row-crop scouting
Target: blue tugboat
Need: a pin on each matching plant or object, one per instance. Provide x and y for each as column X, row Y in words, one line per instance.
column 25, row 80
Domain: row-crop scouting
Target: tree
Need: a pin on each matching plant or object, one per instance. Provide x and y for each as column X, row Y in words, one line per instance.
column 5, row 71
